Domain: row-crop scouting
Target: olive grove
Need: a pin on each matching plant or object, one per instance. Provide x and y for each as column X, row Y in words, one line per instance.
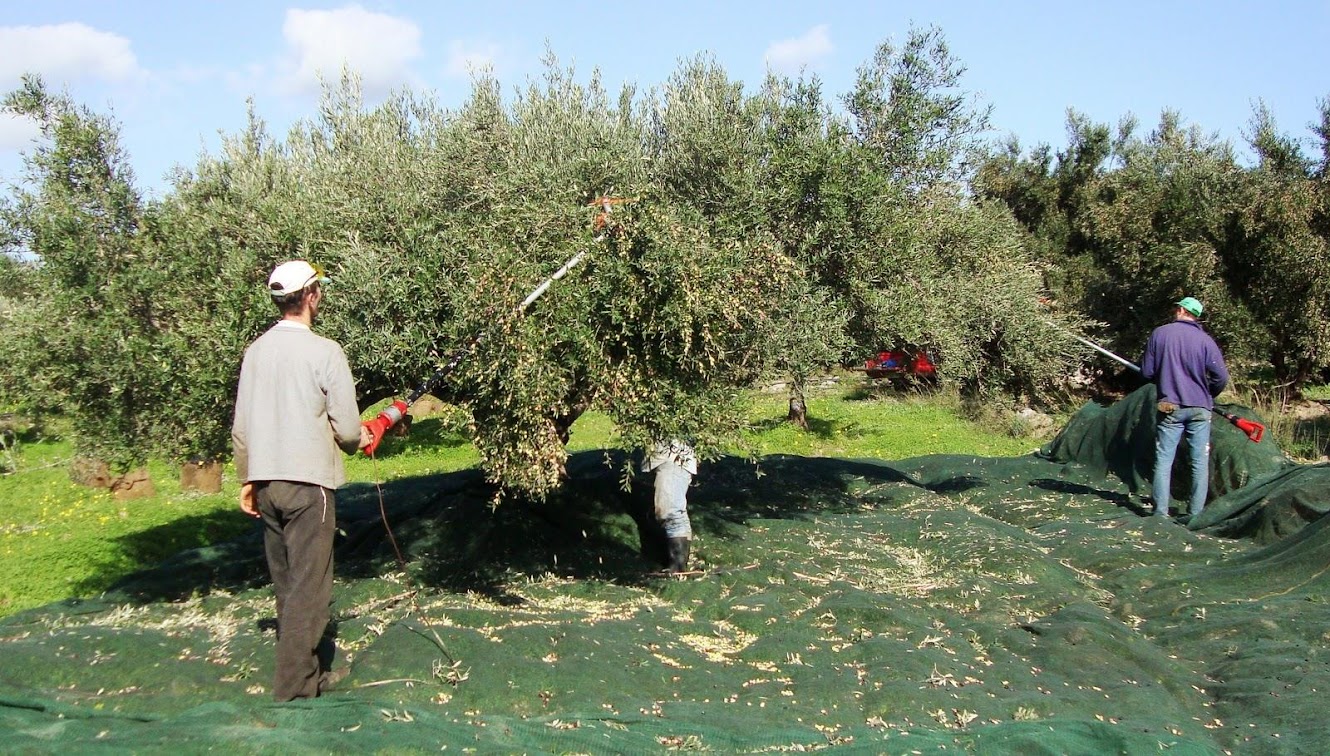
column 752, row 236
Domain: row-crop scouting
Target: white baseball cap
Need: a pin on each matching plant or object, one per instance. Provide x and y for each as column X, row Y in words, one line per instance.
column 293, row 276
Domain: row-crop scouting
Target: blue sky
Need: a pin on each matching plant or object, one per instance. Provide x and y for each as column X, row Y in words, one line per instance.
column 175, row 74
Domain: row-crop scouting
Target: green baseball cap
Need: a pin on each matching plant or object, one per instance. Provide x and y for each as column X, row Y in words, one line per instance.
column 1192, row 305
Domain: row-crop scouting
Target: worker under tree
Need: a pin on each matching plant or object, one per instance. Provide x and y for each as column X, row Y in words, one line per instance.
column 675, row 464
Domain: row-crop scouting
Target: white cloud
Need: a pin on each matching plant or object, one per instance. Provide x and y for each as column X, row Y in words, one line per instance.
column 65, row 52
column 377, row 46
column 465, row 57
column 17, row 132
column 790, row 55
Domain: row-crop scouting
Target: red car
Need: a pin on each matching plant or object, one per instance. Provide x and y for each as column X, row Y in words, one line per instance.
column 917, row 363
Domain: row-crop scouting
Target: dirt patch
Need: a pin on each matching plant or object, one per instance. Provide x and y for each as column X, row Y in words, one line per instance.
column 204, row 477
column 1310, row 410
column 93, row 473
column 134, row 484
column 427, row 406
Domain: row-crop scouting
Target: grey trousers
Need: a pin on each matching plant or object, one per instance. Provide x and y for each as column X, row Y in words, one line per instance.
column 299, row 520
column 672, row 500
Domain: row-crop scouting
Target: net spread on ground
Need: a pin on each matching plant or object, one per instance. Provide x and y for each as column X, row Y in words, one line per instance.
column 944, row 602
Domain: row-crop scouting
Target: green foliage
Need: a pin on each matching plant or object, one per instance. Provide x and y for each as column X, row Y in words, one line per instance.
column 1129, row 224
column 699, row 132
column 16, row 277
column 872, row 212
column 1157, row 225
column 19, row 323
column 1049, row 194
column 806, row 336
column 964, row 285
column 1280, row 251
column 88, row 340
column 909, row 111
column 657, row 326
column 804, row 188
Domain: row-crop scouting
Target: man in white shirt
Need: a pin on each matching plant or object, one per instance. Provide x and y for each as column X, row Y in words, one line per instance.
column 295, row 409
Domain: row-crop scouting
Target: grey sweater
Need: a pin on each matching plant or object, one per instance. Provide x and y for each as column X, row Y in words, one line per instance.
column 295, row 406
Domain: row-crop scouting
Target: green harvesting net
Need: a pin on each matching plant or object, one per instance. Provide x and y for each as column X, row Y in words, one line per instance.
column 940, row 603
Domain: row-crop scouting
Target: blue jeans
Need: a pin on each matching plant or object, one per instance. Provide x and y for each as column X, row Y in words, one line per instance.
column 1194, row 423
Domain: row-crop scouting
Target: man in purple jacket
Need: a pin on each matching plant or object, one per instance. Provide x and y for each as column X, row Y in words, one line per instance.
column 1188, row 368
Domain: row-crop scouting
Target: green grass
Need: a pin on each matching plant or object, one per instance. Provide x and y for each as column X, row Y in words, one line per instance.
column 60, row 540
column 845, row 424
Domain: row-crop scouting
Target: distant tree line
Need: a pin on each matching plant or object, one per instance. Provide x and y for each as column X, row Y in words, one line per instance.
column 765, row 235
column 1124, row 223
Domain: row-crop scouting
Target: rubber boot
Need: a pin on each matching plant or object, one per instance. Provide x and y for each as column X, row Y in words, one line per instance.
column 679, row 554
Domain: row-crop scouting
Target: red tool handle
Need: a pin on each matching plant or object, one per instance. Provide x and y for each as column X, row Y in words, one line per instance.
column 390, row 416
column 1254, row 430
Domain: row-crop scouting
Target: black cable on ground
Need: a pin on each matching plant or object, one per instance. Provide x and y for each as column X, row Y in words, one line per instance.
column 411, row 584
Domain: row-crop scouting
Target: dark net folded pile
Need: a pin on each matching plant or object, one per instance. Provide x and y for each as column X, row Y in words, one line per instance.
column 941, row 603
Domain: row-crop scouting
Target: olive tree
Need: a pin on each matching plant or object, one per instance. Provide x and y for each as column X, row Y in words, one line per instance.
column 435, row 224
column 924, row 264
column 20, row 319
column 216, row 250
column 909, row 110
column 1280, row 250
column 1156, row 226
column 1048, row 192
column 90, row 343
column 804, row 191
